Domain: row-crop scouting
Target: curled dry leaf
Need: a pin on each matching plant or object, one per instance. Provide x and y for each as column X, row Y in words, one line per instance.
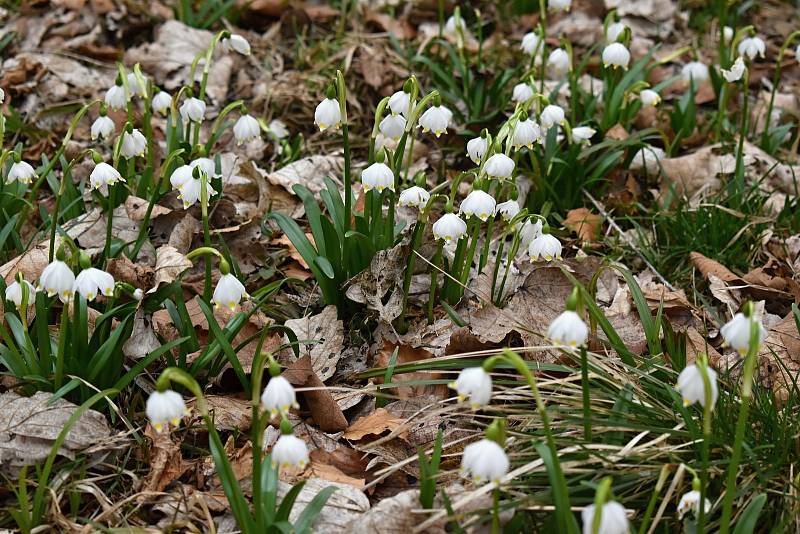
column 346, row 504
column 169, row 265
column 323, row 407
column 384, row 274
column 136, row 208
column 166, row 461
column 321, row 337
column 779, row 357
column 143, row 339
column 30, row 264
column 584, row 223
column 374, row 424
column 310, row 172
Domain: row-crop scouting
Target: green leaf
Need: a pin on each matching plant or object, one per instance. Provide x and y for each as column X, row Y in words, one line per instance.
column 310, row 513
column 287, row 503
column 749, row 518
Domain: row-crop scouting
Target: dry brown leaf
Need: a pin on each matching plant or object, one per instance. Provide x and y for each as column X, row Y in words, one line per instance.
column 137, row 209
column 708, row 267
column 584, row 223
column 166, row 461
column 324, row 410
column 332, row 474
column 169, row 265
column 293, row 252
column 310, row 172
column 346, row 504
column 321, row 337
column 229, row 413
column 779, row 358
column 30, row 264
column 374, row 424
column 408, row 354
column 617, row 133
column 143, row 339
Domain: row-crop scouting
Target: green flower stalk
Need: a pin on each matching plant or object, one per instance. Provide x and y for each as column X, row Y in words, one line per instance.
column 775, row 81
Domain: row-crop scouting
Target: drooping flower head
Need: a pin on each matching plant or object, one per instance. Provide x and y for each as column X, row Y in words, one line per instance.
column 613, row 519
column 648, row 97
column 436, row 119
column 616, row 55
column 449, row 227
column 736, row 333
column 229, row 291
column 193, row 110
column 484, row 461
column 104, row 174
column 479, row 204
column 237, row 43
column 57, row 279
column 508, row 209
column 414, row 197
column 499, row 166
column 246, row 129
column 328, row 114
column 752, row 47
column 545, row 247
column 91, row 282
column 476, row 148
column 475, row 385
column 22, row 172
column 279, row 397
column 161, row 102
column 165, row 408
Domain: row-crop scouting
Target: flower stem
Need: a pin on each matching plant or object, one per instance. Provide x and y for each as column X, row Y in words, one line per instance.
column 206, row 236
column 587, row 407
column 62, row 348
column 704, row 450
column 437, row 264
column 496, row 511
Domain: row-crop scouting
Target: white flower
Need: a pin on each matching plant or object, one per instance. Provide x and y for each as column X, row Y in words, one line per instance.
column 695, row 70
column 237, row 43
column 736, row 71
column 206, row 165
column 229, row 292
column 526, row 133
column 92, row 282
column 161, row 102
column 476, row 148
column 475, row 384
column 191, row 190
column 138, row 294
column 133, row 144
column 568, row 329
column 499, row 166
column 508, row 209
column 545, row 246
column 136, row 88
column 616, row 55
column 691, row 501
column 736, row 333
column 104, row 174
column 752, row 47
column 522, row 92
column 290, row 451
column 377, row 176
column 529, row 232
column 415, row 197
column 727, row 34
column 328, row 114
column 453, row 23
column 2, row 95
column 21, row 172
column 278, row 396
column 484, row 461
column 115, row 97
column 479, row 204
column 614, row 30
column 531, row 44
column 193, row 110
column 559, row 61
column 57, row 279
column 648, row 158
column 14, row 292
column 180, row 176
column 583, row 134
column 246, row 129
column 552, row 115
column 436, row 119
column 613, row 519
column 690, row 385
column 560, row 5
column 648, row 97
column 449, row 227
column 164, row 408
column 400, row 102
column 102, row 128
column 278, row 129
column 393, row 126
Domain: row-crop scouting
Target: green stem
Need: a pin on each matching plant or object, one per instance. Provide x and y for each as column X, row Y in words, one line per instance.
column 496, row 511
column 651, row 505
column 704, row 450
column 587, row 407
column 739, row 173
column 206, row 236
column 62, row 348
column 437, row 264
column 112, row 189
column 486, row 243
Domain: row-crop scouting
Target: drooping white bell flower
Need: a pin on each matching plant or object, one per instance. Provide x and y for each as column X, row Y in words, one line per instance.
column 752, row 47
column 499, row 166
column 436, row 119
column 473, row 384
column 138, row 294
column 614, row 30
column 613, row 519
column 453, row 24
column 616, row 55
column 21, row 172
column 552, row 115
column 92, row 282
column 161, row 102
column 57, row 279
column 414, row 197
column 727, row 34
column 531, row 44
column 104, row 174
column 206, row 165
column 735, row 73
column 526, row 133
column 180, row 176
column 522, row 92
column 115, row 97
column 695, row 70
column 328, row 114
column 546, row 247
column 583, row 134
column 690, row 501
column 14, row 292
column 736, row 333
column 237, row 43
column 102, row 128
column 484, row 461
column 691, row 387
column 278, row 397
column 648, row 97
column 400, row 103
column 647, row 158
column 229, row 292
column 165, row 408
column 290, row 451
column 529, row 232
column 377, row 176
column 508, row 209
column 193, row 110
column 559, row 61
column 479, row 204
column 134, row 86
column 449, row 227
column 246, row 129
column 393, row 126
column 476, row 148
column 191, row 190
column 559, row 5
column 568, row 329
column 133, row 144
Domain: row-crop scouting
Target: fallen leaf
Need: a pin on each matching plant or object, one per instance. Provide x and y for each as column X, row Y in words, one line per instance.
column 374, row 424
column 344, row 505
column 136, row 209
column 169, row 265
column 166, row 461
column 584, row 223
column 324, row 410
column 779, row 358
column 143, row 339
column 407, row 354
column 321, row 337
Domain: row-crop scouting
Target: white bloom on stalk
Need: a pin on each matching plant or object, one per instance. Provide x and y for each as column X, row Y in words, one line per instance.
column 727, row 34
column 14, row 292
column 484, row 460
column 613, row 519
column 57, row 279
column 400, row 103
column 583, row 134
column 695, row 70
column 180, row 176
column 92, row 282
column 476, row 148
column 691, row 501
column 559, row 61
column 614, row 30
column 568, row 329
column 691, row 387
column 206, row 165
column 377, row 176
column 752, row 47
column 546, row 247
column 115, row 97
column 449, row 227
column 138, row 294
column 161, row 102
column 648, row 97
column 328, row 114
column 290, row 451
column 237, row 43
column 526, row 133
column 133, row 144
column 436, row 119
column 522, row 92
column 229, row 292
column 736, row 333
column 102, row 128
column 193, row 110
column 508, row 209
column 414, row 197
column 479, row 204
column 552, row 115
column 473, row 384
column 21, row 172
column 616, row 55
column 191, row 190
column 104, row 174
column 279, row 396
column 648, row 158
column 531, row 44
column 136, row 88
column 246, row 129
column 560, row 5
column 529, row 232
column 499, row 166
column 735, row 73
column 393, row 126
column 165, row 408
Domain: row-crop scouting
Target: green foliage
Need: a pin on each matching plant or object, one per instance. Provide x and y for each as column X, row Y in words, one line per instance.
column 206, row 13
